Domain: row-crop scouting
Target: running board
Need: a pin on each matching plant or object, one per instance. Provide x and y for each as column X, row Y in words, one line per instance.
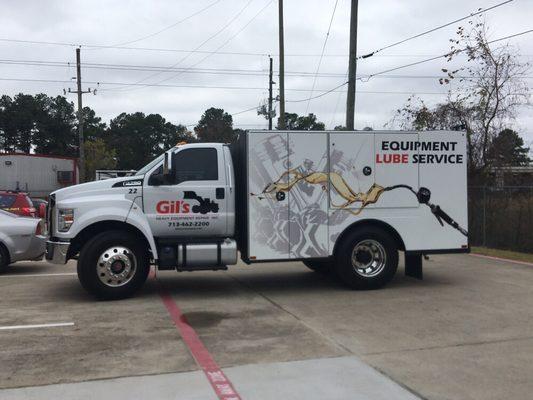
column 201, row 268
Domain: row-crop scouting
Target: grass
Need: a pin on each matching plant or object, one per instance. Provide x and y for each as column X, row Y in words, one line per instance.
column 511, row 255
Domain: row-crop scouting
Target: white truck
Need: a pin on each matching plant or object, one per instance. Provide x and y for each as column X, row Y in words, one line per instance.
column 345, row 201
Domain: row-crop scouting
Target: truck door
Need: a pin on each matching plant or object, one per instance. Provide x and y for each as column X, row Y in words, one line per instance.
column 268, row 210
column 193, row 203
column 367, row 162
column 308, row 198
column 351, row 167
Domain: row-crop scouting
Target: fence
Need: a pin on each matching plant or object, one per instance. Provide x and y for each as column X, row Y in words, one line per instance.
column 501, row 217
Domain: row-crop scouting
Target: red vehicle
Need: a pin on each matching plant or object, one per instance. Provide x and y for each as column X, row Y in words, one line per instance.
column 18, row 203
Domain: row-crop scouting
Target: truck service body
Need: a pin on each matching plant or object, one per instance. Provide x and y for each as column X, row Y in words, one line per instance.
column 346, row 201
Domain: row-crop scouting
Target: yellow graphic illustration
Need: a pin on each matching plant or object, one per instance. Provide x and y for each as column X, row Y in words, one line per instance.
column 277, row 189
column 290, row 178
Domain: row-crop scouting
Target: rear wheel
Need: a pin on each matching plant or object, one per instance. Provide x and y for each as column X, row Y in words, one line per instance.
column 4, row 258
column 319, row 266
column 367, row 259
column 113, row 265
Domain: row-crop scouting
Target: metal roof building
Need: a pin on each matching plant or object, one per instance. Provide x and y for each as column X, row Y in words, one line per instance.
column 37, row 174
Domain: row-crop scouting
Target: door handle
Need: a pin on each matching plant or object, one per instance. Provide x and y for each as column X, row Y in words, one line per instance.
column 220, row 193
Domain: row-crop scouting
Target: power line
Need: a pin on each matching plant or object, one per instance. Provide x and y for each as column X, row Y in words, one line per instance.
column 220, row 53
column 233, row 19
column 338, row 101
column 214, row 71
column 223, row 44
column 236, row 113
column 480, row 11
column 323, row 91
column 442, row 55
column 408, row 65
column 168, row 27
column 320, row 95
column 322, row 53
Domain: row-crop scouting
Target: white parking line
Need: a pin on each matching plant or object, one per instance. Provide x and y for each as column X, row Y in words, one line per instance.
column 52, row 325
column 33, row 275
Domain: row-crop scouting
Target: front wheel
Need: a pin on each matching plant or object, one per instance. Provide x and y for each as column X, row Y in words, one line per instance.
column 367, row 259
column 113, row 265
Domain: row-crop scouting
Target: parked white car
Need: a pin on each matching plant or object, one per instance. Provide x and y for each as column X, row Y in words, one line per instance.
column 21, row 238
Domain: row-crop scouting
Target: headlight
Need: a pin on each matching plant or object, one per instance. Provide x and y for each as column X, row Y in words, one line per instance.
column 65, row 218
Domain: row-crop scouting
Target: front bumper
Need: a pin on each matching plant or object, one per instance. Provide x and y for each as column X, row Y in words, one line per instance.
column 56, row 252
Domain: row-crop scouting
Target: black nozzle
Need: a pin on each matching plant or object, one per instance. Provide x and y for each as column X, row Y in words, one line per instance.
column 423, row 195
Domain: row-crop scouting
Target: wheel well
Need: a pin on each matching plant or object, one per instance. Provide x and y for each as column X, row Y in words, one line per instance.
column 6, row 251
column 374, row 223
column 90, row 231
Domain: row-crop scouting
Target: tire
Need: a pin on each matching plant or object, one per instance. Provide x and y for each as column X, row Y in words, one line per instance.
column 4, row 258
column 367, row 259
column 319, row 266
column 113, row 265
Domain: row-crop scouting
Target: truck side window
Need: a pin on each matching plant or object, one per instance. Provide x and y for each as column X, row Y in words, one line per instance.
column 198, row 164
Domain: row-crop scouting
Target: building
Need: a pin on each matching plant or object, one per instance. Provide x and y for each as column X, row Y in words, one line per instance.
column 37, row 174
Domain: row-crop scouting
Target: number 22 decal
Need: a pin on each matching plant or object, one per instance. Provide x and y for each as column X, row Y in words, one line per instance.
column 132, row 190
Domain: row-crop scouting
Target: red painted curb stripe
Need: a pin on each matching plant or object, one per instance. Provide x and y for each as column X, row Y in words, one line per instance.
column 502, row 259
column 218, row 380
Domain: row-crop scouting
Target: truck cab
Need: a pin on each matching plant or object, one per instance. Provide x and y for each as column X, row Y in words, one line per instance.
column 178, row 211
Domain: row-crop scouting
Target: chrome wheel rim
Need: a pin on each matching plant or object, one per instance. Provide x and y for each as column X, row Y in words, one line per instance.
column 369, row 258
column 116, row 266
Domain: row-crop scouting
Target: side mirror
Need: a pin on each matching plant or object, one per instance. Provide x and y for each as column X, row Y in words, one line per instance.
column 42, row 210
column 167, row 163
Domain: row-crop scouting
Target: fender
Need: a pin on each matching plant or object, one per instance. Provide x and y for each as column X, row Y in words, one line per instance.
column 19, row 240
column 111, row 208
column 137, row 218
column 7, row 242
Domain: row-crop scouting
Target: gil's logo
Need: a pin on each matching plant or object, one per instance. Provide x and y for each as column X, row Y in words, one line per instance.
column 205, row 205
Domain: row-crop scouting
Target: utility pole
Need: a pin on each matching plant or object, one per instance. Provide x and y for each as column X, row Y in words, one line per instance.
column 281, row 69
column 270, row 83
column 80, row 93
column 352, row 67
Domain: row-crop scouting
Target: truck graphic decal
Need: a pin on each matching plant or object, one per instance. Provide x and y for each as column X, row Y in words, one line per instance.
column 290, row 178
column 204, row 206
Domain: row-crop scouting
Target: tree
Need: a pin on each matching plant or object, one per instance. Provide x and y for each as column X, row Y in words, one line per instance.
column 40, row 123
column 98, row 156
column 139, row 138
column 492, row 87
column 263, row 110
column 303, row 123
column 508, row 149
column 17, row 122
column 177, row 135
column 93, row 127
column 55, row 131
column 216, row 125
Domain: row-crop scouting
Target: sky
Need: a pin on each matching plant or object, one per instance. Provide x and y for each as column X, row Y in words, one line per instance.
column 219, row 54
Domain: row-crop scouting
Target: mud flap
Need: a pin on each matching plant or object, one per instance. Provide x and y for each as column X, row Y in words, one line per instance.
column 413, row 265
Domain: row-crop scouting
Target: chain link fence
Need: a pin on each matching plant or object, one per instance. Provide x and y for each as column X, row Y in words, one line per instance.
column 501, row 217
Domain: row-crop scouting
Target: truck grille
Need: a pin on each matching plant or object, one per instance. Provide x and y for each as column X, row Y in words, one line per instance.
column 50, row 216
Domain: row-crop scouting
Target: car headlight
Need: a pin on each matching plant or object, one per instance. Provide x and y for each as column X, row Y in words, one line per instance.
column 65, row 219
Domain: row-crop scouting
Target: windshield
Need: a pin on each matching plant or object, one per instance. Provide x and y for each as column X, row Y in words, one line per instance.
column 149, row 166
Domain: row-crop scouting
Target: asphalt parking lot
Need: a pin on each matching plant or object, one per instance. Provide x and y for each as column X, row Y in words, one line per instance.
column 276, row 330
